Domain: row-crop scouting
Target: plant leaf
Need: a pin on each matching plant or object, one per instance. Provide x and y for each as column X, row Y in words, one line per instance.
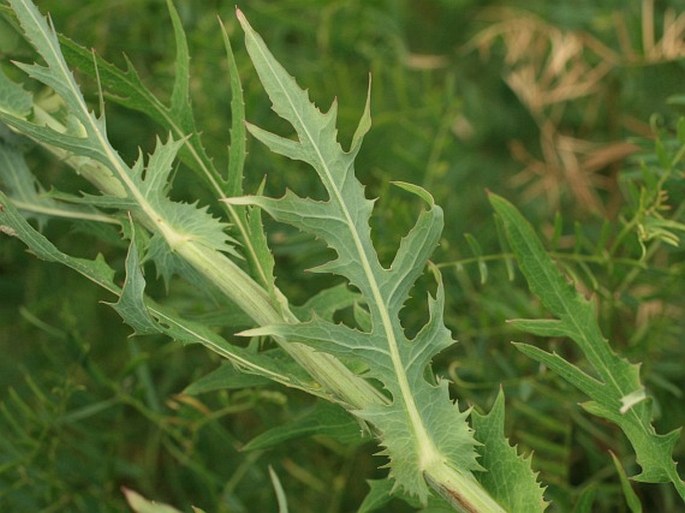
column 280, row 493
column 30, row 197
column 131, row 304
column 224, row 377
column 168, row 322
column 189, row 222
column 380, row 493
column 140, row 504
column 327, row 302
column 323, row 419
column 510, row 479
column 631, row 497
column 615, row 389
column 14, row 98
column 421, row 429
column 237, row 151
column 126, row 88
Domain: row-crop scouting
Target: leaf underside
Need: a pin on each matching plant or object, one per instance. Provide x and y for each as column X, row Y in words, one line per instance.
column 421, row 426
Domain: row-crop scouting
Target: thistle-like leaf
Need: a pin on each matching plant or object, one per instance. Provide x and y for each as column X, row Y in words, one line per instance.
column 510, row 479
column 421, row 427
column 28, row 194
column 127, row 88
column 164, row 320
column 616, row 390
column 84, row 134
column 131, row 304
column 189, row 222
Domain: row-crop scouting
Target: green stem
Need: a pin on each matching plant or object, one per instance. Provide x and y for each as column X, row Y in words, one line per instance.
column 342, row 384
column 462, row 491
column 236, row 284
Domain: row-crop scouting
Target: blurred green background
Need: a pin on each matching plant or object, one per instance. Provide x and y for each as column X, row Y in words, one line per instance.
column 552, row 105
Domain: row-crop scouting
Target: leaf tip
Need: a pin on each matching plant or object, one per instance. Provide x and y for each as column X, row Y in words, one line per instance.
column 241, row 17
column 417, row 190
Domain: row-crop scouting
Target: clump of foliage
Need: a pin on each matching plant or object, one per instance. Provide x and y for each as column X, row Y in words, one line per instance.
column 204, row 275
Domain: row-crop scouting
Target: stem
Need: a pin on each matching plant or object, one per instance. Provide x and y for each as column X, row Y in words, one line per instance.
column 236, row 284
column 462, row 491
column 343, row 385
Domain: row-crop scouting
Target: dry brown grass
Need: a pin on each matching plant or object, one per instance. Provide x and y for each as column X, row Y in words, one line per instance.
column 550, row 69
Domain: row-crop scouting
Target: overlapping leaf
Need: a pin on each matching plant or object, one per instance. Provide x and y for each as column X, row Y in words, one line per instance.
column 84, row 134
column 421, row 426
column 127, row 88
column 145, row 315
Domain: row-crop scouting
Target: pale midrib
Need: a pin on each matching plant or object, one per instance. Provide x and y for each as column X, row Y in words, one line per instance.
column 233, row 214
column 422, row 437
column 120, row 169
column 588, row 345
column 247, row 241
column 112, row 157
column 59, row 212
column 178, row 242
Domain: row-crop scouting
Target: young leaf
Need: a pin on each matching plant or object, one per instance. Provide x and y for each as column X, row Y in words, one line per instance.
column 510, row 479
column 140, row 504
column 425, row 435
column 631, row 497
column 616, row 391
column 189, row 223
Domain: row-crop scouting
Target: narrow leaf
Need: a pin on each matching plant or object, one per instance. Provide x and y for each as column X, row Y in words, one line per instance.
column 131, row 304
column 180, row 95
column 324, row 419
column 478, row 253
column 237, row 151
column 224, row 377
column 586, row 500
column 280, row 494
column 616, row 390
column 631, row 497
column 140, row 504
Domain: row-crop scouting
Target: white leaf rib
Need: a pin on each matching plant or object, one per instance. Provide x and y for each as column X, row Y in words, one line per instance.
column 426, row 449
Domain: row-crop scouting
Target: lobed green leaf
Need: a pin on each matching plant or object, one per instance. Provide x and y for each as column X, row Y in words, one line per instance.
column 616, row 390
column 425, row 436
